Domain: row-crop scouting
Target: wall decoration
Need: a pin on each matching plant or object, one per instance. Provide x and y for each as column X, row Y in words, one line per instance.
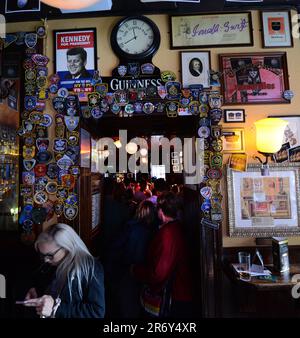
column 291, row 139
column 238, row 162
column 75, row 54
column 18, row 6
column 276, row 29
column 264, row 206
column 211, row 30
column 234, row 115
column 233, row 140
column 195, row 68
column 254, row 78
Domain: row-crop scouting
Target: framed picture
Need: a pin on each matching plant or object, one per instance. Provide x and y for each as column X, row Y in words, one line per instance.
column 20, row 6
column 291, row 140
column 233, row 140
column 254, row 78
column 75, row 56
column 211, row 30
column 234, row 115
column 195, row 67
column 264, row 206
column 276, row 29
column 238, row 162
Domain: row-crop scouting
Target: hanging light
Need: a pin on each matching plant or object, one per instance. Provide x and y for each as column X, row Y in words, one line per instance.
column 131, row 148
column 144, row 151
column 118, row 144
column 70, row 4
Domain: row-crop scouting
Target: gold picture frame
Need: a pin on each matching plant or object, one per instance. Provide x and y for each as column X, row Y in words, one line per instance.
column 264, row 206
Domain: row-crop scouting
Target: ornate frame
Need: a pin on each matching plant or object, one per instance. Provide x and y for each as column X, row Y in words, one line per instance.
column 257, row 220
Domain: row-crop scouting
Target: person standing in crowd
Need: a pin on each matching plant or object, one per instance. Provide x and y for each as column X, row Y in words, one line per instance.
column 76, row 286
column 168, row 260
column 131, row 248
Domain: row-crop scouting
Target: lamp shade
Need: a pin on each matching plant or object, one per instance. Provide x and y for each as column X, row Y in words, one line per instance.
column 269, row 134
column 70, row 4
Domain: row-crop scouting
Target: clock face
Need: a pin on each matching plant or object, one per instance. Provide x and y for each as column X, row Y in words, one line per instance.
column 135, row 36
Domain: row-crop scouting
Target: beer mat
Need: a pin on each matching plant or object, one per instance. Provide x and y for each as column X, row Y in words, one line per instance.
column 265, row 273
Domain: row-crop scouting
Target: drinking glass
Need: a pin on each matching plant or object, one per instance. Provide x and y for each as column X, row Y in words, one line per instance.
column 244, row 265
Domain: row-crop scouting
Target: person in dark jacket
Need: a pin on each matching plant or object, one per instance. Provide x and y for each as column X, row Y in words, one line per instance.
column 76, row 289
column 168, row 260
column 131, row 248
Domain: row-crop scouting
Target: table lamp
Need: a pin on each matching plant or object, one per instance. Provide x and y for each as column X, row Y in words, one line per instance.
column 269, row 135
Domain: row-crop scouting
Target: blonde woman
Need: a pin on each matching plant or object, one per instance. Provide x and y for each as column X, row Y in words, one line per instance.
column 76, row 289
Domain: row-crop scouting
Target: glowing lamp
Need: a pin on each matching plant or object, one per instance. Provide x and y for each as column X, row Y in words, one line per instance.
column 131, row 148
column 70, row 4
column 144, row 152
column 269, row 135
column 118, row 144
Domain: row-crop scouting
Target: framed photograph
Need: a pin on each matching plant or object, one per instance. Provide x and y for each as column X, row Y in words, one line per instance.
column 234, row 115
column 264, row 206
column 195, row 68
column 238, row 162
column 233, row 140
column 211, row 30
column 254, row 78
column 276, row 29
column 20, row 6
column 291, row 139
column 75, row 54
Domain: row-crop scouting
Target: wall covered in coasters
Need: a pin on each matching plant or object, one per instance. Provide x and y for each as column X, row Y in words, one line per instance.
column 49, row 164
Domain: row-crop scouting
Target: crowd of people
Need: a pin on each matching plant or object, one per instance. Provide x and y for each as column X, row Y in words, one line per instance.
column 146, row 242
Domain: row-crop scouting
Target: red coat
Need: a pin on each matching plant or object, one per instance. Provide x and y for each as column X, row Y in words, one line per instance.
column 167, row 251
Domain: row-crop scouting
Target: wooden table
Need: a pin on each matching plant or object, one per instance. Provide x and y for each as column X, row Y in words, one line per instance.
column 264, row 298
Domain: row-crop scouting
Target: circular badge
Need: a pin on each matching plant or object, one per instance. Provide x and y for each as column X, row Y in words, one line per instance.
column 96, row 113
column 63, row 92
column 288, row 94
column 129, row 109
column 51, row 188
column 203, row 132
column 40, row 197
column 70, row 212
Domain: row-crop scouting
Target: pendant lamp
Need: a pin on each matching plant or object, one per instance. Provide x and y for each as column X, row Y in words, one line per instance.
column 70, row 4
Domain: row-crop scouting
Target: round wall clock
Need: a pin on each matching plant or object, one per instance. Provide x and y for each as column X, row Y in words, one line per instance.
column 135, row 38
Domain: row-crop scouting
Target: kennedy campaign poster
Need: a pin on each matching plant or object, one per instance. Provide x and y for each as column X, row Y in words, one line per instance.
column 75, row 57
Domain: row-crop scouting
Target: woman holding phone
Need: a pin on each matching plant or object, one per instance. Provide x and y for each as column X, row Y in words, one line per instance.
column 76, row 289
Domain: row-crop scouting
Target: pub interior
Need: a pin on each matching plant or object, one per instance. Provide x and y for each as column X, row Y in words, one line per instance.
column 113, row 110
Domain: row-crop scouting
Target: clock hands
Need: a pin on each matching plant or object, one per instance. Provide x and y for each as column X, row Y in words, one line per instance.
column 134, row 37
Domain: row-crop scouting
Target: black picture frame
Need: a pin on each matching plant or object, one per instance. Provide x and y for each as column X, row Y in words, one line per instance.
column 60, row 55
column 237, row 117
column 283, row 31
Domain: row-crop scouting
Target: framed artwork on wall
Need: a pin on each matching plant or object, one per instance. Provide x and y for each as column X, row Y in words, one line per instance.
column 254, row 78
column 264, row 206
column 195, row 67
column 211, row 30
column 233, row 140
column 290, row 149
column 276, row 29
column 75, row 56
column 234, row 115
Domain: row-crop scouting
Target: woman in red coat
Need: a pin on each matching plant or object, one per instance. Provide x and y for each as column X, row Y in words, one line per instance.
column 168, row 259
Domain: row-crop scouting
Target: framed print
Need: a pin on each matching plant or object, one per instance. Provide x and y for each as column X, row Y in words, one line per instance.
column 254, row 78
column 264, row 206
column 75, row 56
column 291, row 139
column 276, row 29
column 238, row 162
column 234, row 115
column 195, row 68
column 22, row 6
column 211, row 30
column 233, row 140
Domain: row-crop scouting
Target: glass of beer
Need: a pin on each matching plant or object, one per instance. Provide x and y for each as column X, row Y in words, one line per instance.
column 244, row 265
